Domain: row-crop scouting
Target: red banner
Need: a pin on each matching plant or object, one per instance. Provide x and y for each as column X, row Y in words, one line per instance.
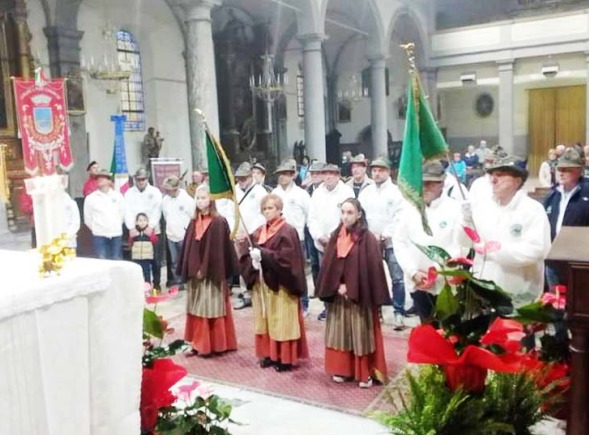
column 42, row 121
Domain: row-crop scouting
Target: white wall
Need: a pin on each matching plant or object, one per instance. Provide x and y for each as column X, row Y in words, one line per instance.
column 164, row 78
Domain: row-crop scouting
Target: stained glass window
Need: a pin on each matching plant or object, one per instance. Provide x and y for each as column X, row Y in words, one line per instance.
column 132, row 103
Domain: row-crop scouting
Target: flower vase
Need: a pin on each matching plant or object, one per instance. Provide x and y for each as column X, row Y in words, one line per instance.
column 468, row 377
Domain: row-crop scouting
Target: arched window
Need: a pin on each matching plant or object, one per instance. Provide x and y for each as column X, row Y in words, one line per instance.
column 132, row 102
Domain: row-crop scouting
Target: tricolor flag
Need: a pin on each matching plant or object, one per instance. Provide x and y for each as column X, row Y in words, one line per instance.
column 422, row 140
column 118, row 165
column 221, row 180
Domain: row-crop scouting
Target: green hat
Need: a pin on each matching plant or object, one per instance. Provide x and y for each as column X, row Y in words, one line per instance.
column 360, row 159
column 141, row 173
column 286, row 167
column 433, row 171
column 171, row 183
column 380, row 162
column 570, row 159
column 243, row 170
column 509, row 163
column 331, row 168
column 260, row 167
column 316, row 167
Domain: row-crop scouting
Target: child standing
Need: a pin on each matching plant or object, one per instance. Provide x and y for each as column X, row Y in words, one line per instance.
column 142, row 245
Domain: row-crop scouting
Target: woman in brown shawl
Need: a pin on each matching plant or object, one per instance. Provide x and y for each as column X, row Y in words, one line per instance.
column 278, row 320
column 352, row 283
column 207, row 260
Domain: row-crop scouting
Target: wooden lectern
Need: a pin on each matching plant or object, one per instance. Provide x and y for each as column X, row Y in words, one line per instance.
column 570, row 258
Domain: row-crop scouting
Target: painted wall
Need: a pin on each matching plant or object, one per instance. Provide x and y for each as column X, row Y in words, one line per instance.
column 164, row 79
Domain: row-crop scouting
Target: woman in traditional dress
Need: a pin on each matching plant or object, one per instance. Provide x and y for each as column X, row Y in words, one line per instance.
column 207, row 261
column 274, row 270
column 353, row 285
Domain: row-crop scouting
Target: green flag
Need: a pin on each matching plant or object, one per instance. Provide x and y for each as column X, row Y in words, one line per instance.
column 422, row 140
column 221, row 181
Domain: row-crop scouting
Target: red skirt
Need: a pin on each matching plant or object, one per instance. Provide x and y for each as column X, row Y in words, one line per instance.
column 361, row 368
column 285, row 352
column 211, row 335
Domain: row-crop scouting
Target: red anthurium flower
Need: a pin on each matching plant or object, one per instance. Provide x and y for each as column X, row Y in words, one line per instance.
column 560, row 289
column 488, row 247
column 155, row 389
column 460, row 260
column 472, row 234
column 432, row 276
column 557, row 301
column 506, row 333
column 185, row 391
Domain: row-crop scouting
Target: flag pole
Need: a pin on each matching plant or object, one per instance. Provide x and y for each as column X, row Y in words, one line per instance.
column 238, row 216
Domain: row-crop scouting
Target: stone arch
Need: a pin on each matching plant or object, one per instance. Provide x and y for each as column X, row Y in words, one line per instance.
column 309, row 18
column 423, row 48
column 375, row 27
column 66, row 13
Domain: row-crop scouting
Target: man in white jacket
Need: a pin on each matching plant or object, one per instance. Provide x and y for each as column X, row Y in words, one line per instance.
column 514, row 233
column 444, row 217
column 104, row 215
column 359, row 180
column 178, row 209
column 147, row 199
column 249, row 195
column 382, row 203
column 296, row 202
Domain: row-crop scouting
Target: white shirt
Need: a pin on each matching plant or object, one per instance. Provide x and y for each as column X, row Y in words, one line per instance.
column 325, row 213
column 382, row 204
column 104, row 213
column 71, row 219
column 296, row 207
column 565, row 197
column 250, row 207
column 148, row 201
column 177, row 212
column 445, row 221
column 481, row 190
column 523, row 230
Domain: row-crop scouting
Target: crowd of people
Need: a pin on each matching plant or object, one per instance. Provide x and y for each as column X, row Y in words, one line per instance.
column 349, row 231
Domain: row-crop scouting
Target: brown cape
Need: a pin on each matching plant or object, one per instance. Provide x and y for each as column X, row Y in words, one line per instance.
column 361, row 271
column 214, row 255
column 282, row 262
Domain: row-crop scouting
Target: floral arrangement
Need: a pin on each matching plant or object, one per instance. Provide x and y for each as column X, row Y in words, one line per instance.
column 164, row 411
column 54, row 255
column 484, row 362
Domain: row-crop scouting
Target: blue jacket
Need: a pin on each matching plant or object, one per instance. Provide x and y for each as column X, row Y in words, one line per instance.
column 577, row 211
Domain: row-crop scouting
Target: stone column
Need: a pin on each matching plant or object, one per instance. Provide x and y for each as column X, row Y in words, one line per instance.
column 587, row 101
column 313, row 96
column 505, row 69
column 64, row 60
column 378, row 107
column 201, row 77
column 23, row 37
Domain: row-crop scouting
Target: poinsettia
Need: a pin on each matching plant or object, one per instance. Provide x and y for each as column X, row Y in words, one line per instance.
column 155, row 390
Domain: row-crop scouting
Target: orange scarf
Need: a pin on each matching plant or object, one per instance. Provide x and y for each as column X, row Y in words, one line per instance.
column 270, row 229
column 201, row 225
column 344, row 243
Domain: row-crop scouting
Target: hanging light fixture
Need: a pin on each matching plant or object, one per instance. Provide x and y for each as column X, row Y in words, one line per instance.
column 268, row 86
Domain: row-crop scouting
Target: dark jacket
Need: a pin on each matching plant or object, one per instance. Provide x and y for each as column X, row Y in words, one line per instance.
column 577, row 210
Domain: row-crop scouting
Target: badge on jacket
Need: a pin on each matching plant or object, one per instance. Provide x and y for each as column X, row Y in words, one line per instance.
column 516, row 230
column 443, row 224
column 549, row 210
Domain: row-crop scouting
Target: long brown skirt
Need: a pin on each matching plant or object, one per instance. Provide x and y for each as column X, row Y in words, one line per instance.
column 361, row 368
column 211, row 335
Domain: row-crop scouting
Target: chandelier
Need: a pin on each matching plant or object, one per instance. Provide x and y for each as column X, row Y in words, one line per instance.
column 107, row 69
column 268, row 86
column 353, row 92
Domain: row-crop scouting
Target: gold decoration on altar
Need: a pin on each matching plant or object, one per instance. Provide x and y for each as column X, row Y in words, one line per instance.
column 4, row 192
column 54, row 255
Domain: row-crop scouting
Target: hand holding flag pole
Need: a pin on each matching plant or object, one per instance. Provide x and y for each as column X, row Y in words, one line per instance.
column 222, row 185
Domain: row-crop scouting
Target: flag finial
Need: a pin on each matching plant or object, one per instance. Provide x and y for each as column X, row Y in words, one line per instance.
column 409, row 49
